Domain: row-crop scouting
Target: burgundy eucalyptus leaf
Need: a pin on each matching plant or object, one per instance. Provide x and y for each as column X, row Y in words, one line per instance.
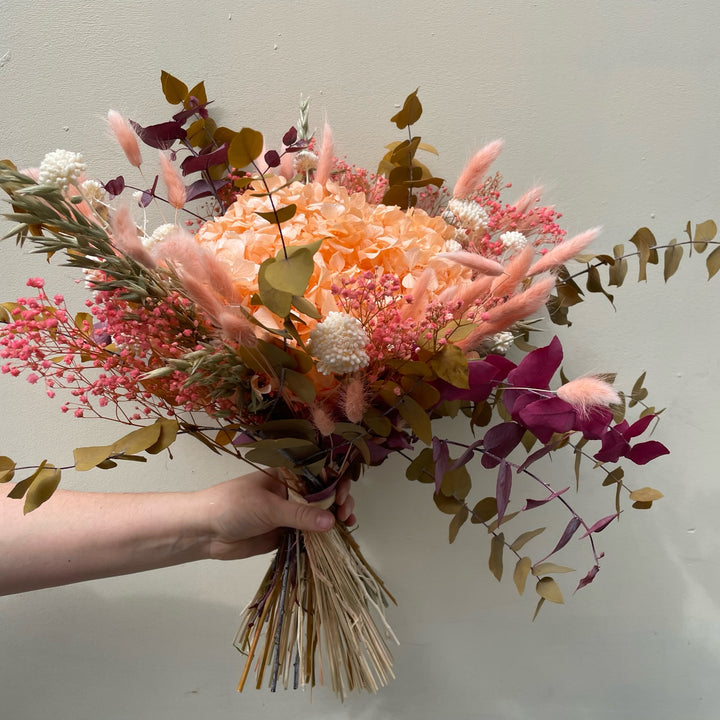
column 197, row 163
column 503, row 488
column 600, row 525
column 467, row 455
column 595, row 423
column 290, row 137
column 569, row 531
column 161, row 136
column 638, row 427
column 537, row 368
column 114, row 187
column 588, row 578
column 483, row 377
column 644, row 452
column 532, row 504
column 202, row 188
column 272, row 158
column 499, row 441
column 537, row 455
column 547, row 416
column 147, row 197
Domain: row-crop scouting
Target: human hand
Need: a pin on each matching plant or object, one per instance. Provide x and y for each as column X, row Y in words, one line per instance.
column 244, row 516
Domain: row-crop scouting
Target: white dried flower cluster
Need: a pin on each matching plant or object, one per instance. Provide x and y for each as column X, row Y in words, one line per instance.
column 466, row 213
column 452, row 246
column 305, row 161
column 93, row 192
column 159, row 234
column 60, row 168
column 502, row 342
column 513, row 241
column 339, row 343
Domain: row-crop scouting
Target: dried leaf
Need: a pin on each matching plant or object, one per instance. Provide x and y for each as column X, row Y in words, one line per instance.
column 645, row 494
column 541, row 602
column 645, row 242
column 497, row 544
column 484, row 510
column 175, row 90
column 41, row 489
column 447, row 505
column 713, row 262
column 245, row 147
column 524, row 538
column 280, row 215
column 549, row 568
column 456, row 482
column 300, row 384
column 522, row 570
column 671, row 260
column 704, row 232
column 548, row 589
column 410, row 112
column 503, row 488
column 7, row 469
column 457, row 522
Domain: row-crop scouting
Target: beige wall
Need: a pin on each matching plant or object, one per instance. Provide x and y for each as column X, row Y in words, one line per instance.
column 614, row 107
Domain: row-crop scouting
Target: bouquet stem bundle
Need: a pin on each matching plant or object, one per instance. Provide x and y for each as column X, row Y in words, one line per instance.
column 320, row 607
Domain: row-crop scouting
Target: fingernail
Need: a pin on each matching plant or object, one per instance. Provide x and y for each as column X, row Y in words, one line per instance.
column 324, row 521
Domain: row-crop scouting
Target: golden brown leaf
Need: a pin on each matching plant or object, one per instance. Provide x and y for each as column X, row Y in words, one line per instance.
column 522, row 570
column 457, row 522
column 548, row 589
column 645, row 494
column 497, row 545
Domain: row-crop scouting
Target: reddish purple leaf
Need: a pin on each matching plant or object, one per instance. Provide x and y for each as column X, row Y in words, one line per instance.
column 547, row 416
column 197, row 163
column 202, row 188
column 114, row 187
column 483, row 376
column 467, row 455
column 638, row 427
column 503, row 488
column 588, row 578
column 290, row 137
column 147, row 197
column 161, row 136
column 614, row 446
column 595, row 424
column 600, row 525
column 646, row 451
column 272, row 158
column 538, row 367
column 537, row 455
column 569, row 531
column 532, row 504
column 499, row 442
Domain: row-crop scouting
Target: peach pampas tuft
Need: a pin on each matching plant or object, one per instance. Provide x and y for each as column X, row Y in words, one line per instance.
column 125, row 237
column 516, row 271
column 564, row 251
column 527, row 200
column 237, row 327
column 322, row 421
column 126, row 138
column 177, row 194
column 355, row 400
column 325, row 157
column 584, row 393
column 516, row 308
column 475, row 170
column 476, row 262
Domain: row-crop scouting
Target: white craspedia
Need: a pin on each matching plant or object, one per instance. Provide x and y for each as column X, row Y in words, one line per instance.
column 513, row 241
column 60, row 168
column 338, row 343
column 160, row 233
column 305, row 161
column 466, row 213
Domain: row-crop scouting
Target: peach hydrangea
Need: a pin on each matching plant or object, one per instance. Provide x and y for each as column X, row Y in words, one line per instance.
column 356, row 236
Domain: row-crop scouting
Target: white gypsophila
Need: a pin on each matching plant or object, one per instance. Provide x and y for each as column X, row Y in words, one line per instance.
column 93, row 192
column 466, row 213
column 513, row 241
column 160, row 233
column 305, row 161
column 452, row 246
column 60, row 168
column 338, row 343
column 502, row 342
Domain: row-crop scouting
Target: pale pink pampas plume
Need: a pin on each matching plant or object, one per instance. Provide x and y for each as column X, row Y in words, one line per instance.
column 477, row 289
column 471, row 177
column 126, row 137
column 585, row 393
column 322, row 421
column 287, row 166
column 417, row 292
column 476, row 262
column 237, row 327
column 125, row 237
column 564, row 251
column 526, row 201
column 354, row 400
column 177, row 194
column 516, row 271
column 325, row 157
column 517, row 308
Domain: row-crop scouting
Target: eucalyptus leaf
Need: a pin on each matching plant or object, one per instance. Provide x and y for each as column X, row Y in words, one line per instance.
column 245, row 147
column 175, row 90
column 548, row 589
column 671, row 260
column 495, row 562
column 520, row 575
column 457, row 522
column 41, row 488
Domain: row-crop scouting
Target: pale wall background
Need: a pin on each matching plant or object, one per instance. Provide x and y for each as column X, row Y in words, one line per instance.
column 614, row 107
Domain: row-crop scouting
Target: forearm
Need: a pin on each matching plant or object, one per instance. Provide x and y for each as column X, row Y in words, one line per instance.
column 78, row 536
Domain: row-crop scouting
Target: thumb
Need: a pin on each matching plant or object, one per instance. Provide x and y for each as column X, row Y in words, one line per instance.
column 302, row 517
